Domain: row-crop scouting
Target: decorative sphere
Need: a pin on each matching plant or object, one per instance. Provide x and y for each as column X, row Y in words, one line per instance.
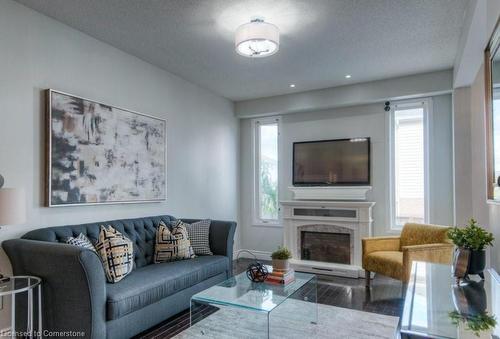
column 257, row 272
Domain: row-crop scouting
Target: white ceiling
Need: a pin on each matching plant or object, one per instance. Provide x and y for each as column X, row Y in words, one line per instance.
column 321, row 41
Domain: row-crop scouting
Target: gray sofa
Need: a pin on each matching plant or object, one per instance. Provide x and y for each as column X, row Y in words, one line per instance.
column 76, row 296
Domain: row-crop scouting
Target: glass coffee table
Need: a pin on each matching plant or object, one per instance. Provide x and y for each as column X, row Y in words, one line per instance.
column 436, row 307
column 264, row 305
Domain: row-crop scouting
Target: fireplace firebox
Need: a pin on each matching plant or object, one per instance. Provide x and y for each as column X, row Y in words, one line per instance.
column 326, row 247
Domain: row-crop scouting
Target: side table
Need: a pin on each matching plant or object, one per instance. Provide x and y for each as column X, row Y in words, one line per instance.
column 12, row 286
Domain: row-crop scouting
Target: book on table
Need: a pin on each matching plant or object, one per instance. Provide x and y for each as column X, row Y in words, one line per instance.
column 281, row 276
column 279, row 271
column 283, row 273
column 279, row 281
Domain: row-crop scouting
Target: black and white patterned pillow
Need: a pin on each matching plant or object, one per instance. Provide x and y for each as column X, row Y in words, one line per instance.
column 116, row 252
column 81, row 241
column 172, row 245
column 199, row 233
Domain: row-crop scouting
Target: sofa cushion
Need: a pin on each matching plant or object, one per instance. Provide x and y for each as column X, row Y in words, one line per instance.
column 81, row 241
column 116, row 253
column 151, row 283
column 199, row 234
column 389, row 263
column 172, row 245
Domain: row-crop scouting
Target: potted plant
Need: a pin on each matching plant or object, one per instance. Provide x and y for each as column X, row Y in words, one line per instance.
column 474, row 239
column 280, row 258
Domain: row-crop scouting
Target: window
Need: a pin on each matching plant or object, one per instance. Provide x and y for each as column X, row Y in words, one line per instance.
column 492, row 76
column 495, row 117
column 409, row 134
column 266, row 207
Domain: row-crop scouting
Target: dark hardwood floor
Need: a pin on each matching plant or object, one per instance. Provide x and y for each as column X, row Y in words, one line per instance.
column 385, row 296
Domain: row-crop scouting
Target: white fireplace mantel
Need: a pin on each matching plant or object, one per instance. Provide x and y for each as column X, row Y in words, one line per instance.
column 330, row 192
column 353, row 216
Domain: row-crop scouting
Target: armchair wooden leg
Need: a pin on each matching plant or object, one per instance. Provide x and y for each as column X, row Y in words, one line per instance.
column 367, row 278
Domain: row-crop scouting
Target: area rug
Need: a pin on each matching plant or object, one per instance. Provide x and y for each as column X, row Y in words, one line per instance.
column 292, row 321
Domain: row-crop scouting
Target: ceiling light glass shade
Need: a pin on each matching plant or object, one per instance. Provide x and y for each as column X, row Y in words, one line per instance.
column 257, row 39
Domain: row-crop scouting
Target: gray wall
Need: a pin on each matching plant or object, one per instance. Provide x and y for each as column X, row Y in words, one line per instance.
column 411, row 86
column 462, row 151
column 202, row 132
column 441, row 162
column 365, row 120
column 469, row 126
column 470, row 178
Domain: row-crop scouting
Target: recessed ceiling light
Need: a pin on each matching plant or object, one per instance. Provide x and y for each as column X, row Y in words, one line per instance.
column 348, row 76
column 292, row 85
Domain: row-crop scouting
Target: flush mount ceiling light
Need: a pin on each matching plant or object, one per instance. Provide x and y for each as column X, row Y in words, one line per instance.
column 257, row 39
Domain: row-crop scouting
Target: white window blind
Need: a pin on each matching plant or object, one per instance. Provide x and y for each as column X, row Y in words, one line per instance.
column 409, row 164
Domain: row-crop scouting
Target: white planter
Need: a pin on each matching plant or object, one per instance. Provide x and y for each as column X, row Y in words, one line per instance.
column 280, row 264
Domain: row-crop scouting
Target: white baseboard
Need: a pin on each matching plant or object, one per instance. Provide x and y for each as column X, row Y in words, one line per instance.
column 261, row 255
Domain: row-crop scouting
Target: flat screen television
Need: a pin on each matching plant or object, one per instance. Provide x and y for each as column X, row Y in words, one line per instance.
column 332, row 162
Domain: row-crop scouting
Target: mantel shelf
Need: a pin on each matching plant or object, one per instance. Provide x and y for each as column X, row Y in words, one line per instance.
column 327, row 203
column 330, row 192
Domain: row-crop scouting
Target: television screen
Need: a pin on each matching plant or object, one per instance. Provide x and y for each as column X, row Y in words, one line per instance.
column 332, row 162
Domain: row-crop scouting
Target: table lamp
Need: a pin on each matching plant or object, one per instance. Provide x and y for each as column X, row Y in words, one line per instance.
column 12, row 206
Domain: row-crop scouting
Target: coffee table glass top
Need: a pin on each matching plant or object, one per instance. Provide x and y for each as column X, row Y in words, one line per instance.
column 239, row 291
column 433, row 299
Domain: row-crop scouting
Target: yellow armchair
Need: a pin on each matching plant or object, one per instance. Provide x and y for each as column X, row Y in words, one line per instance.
column 392, row 256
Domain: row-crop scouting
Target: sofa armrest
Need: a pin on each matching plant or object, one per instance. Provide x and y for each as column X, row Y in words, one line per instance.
column 73, row 284
column 221, row 239
column 375, row 244
column 436, row 253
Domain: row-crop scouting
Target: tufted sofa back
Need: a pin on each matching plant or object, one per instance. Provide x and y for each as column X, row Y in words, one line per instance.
column 141, row 231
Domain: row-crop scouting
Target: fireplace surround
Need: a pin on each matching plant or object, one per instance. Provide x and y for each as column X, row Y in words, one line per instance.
column 346, row 219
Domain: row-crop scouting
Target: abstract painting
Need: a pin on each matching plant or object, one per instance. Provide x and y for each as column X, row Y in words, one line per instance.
column 100, row 154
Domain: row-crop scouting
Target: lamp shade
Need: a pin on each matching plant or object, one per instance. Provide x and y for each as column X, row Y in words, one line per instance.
column 257, row 39
column 12, row 206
